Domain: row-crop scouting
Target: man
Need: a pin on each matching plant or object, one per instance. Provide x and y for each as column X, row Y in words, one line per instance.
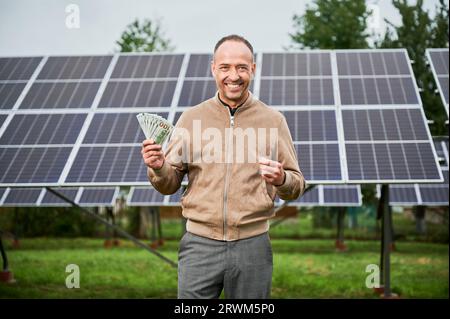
column 227, row 203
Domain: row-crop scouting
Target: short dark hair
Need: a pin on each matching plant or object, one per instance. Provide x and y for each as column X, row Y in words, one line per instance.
column 233, row 37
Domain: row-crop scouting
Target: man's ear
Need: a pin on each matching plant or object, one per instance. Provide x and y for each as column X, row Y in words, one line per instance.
column 212, row 68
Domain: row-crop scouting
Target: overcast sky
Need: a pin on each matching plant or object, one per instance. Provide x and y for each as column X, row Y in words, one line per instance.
column 30, row 27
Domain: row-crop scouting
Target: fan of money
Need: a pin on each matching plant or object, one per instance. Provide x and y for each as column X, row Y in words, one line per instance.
column 155, row 127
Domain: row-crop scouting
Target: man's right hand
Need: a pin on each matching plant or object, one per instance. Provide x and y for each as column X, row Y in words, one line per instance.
column 152, row 154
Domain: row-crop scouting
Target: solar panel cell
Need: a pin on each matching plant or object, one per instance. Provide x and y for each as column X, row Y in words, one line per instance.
column 108, row 165
column 9, row 93
column 397, row 161
column 22, row 197
column 389, row 124
column 319, row 162
column 298, row 92
column 312, row 125
column 29, row 129
column 377, row 91
column 75, row 67
column 296, row 64
column 372, row 63
column 199, row 66
column 148, row 66
column 115, row 128
column 51, row 199
column 18, row 68
column 125, row 94
column 32, row 165
column 97, row 196
column 60, row 95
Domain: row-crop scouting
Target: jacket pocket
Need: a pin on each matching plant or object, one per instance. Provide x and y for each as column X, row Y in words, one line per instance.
column 265, row 188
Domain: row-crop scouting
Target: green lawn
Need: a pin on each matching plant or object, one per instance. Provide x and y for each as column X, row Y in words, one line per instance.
column 302, row 269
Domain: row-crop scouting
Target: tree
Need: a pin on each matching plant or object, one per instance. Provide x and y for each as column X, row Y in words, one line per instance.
column 144, row 37
column 417, row 33
column 332, row 24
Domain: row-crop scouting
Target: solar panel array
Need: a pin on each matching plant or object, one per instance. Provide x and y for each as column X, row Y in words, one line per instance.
column 41, row 197
column 321, row 195
column 355, row 116
column 425, row 194
column 438, row 59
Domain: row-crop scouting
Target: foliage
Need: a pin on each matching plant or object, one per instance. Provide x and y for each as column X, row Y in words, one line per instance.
column 332, row 24
column 417, row 32
column 144, row 37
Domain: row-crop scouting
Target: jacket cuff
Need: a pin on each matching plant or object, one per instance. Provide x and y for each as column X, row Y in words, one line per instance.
column 285, row 187
column 158, row 173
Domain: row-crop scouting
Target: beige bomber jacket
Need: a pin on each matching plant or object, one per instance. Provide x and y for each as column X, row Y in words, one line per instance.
column 227, row 200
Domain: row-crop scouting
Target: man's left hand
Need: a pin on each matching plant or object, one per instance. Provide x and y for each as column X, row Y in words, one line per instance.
column 272, row 171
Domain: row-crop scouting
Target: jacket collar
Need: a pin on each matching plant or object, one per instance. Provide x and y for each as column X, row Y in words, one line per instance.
column 248, row 102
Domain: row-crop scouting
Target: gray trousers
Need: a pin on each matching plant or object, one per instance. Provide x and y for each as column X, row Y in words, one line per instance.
column 242, row 268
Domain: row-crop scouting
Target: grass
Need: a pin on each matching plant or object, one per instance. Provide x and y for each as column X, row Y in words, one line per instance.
column 302, row 269
column 302, row 227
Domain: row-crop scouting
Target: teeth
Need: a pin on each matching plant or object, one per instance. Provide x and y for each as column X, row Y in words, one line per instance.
column 233, row 85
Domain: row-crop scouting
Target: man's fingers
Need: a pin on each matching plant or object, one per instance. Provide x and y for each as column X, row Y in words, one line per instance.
column 148, row 142
column 268, row 162
column 153, row 154
column 269, row 169
column 153, row 147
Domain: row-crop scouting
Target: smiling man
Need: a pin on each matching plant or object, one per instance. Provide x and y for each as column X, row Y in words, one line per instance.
column 227, row 203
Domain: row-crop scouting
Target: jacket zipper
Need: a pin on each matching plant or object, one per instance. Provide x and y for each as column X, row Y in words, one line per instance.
column 225, row 193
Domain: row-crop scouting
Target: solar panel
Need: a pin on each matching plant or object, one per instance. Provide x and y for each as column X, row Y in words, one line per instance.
column 65, row 95
column 420, row 194
column 51, row 199
column 330, row 196
column 145, row 196
column 196, row 91
column 27, row 197
column 441, row 145
column 424, row 194
column 372, row 63
column 148, row 66
column 435, row 194
column 310, row 125
column 2, row 119
column 199, row 66
column 393, row 162
column 385, row 132
column 111, row 128
column 298, row 92
column 9, row 93
column 438, row 59
column 75, row 67
column 148, row 93
column 18, row 68
column 319, row 162
column 117, row 165
column 296, row 64
column 310, row 198
column 98, row 196
column 32, row 165
column 400, row 195
column 175, row 199
column 384, row 125
column 342, row 195
column 2, row 193
column 31, row 129
column 376, row 91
